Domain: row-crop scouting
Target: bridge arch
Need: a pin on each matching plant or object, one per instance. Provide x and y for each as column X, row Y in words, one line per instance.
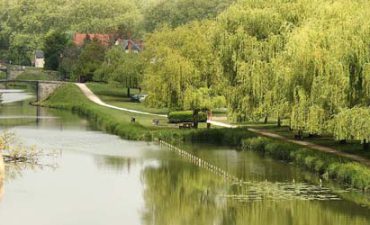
column 43, row 88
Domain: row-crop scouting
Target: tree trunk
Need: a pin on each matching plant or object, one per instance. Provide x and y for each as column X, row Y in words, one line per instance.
column 266, row 120
column 279, row 121
column 366, row 145
column 128, row 92
column 299, row 135
column 195, row 118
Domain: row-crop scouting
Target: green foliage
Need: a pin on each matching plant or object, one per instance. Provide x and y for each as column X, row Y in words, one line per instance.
column 55, row 43
column 120, row 67
column 352, row 124
column 185, row 116
column 328, row 166
column 224, row 136
column 2, row 75
column 179, row 12
column 89, row 61
column 69, row 97
column 182, row 72
column 69, row 61
column 29, row 21
column 38, row 74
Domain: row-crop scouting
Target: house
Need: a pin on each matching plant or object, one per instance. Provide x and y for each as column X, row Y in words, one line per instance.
column 79, row 39
column 130, row 45
column 39, row 59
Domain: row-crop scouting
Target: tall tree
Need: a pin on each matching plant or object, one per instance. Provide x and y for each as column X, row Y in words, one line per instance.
column 182, row 72
column 123, row 68
column 55, row 43
column 89, row 61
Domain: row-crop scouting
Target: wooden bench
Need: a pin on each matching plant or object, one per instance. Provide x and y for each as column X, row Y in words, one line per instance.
column 186, row 125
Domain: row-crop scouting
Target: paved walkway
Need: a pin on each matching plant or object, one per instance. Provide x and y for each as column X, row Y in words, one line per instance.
column 92, row 97
column 302, row 143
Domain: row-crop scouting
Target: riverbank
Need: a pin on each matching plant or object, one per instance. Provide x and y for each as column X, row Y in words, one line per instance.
column 70, row 97
column 327, row 166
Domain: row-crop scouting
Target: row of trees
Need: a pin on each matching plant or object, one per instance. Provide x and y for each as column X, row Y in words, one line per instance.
column 25, row 23
column 301, row 62
column 306, row 63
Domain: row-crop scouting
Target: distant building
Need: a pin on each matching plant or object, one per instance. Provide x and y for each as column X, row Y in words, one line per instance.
column 39, row 59
column 79, row 39
column 130, row 45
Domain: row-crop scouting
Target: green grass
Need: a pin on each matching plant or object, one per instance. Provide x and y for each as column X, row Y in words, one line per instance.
column 69, row 97
column 117, row 96
column 331, row 167
column 38, row 74
column 328, row 166
column 2, row 75
column 325, row 140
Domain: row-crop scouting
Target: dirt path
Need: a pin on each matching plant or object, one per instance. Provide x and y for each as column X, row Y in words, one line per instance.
column 302, row 143
column 92, row 97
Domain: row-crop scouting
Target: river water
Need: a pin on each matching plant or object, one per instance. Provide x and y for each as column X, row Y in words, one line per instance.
column 99, row 179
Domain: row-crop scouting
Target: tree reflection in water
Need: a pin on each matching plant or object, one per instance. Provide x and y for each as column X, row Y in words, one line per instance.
column 178, row 193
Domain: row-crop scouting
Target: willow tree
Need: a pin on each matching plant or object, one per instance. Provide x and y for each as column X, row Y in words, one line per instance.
column 182, row 72
column 328, row 59
column 250, row 35
column 353, row 124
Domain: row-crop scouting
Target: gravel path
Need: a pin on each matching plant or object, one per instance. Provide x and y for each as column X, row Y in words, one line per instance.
column 92, row 97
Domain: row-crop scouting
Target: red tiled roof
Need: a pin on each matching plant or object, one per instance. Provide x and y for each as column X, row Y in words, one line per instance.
column 79, row 39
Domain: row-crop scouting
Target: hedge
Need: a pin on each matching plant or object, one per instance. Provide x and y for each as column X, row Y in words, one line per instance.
column 185, row 116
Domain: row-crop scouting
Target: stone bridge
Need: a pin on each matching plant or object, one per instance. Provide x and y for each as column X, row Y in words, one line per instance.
column 43, row 88
column 13, row 71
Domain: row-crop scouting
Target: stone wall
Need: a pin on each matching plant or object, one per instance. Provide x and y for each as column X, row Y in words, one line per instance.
column 45, row 89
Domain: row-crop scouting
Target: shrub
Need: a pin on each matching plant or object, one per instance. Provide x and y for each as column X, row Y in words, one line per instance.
column 328, row 166
column 257, row 144
column 224, row 136
column 279, row 150
column 185, row 116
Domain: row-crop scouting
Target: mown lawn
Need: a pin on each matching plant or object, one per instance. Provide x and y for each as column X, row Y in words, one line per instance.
column 117, row 96
column 353, row 147
column 38, row 74
column 2, row 75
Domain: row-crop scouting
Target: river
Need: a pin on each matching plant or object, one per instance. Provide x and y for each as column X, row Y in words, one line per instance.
column 101, row 179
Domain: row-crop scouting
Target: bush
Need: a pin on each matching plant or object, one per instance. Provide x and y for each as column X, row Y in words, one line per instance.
column 185, row 116
column 224, row 136
column 256, row 144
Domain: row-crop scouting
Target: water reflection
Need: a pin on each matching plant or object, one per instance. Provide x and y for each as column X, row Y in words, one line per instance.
column 10, row 96
column 116, row 163
column 179, row 194
column 102, row 179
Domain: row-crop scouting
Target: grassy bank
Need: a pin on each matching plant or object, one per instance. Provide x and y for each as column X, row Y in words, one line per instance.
column 328, row 166
column 117, row 96
column 349, row 173
column 2, row 75
column 69, row 97
column 38, row 74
